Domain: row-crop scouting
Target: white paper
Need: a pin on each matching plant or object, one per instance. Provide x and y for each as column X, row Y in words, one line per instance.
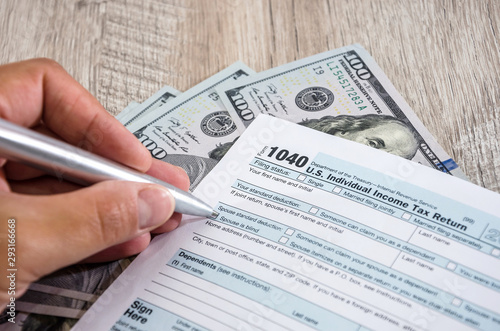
column 317, row 232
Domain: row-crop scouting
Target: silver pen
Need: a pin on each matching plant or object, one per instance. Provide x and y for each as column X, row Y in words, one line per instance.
column 77, row 165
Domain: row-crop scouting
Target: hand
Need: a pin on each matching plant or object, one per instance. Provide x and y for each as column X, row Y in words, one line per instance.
column 58, row 223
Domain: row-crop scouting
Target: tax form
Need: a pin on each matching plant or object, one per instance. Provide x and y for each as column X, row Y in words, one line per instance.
column 315, row 232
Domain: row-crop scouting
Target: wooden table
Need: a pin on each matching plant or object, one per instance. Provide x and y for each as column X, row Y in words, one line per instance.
column 442, row 56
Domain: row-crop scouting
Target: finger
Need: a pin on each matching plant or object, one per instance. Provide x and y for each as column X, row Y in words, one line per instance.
column 19, row 171
column 172, row 224
column 129, row 248
column 60, row 230
column 41, row 89
column 43, row 186
column 4, row 185
column 48, row 185
column 22, row 179
column 173, row 175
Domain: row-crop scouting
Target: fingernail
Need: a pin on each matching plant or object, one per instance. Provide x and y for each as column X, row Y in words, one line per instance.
column 155, row 205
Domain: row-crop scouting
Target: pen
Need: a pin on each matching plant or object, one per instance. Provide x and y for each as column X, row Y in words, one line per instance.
column 77, row 165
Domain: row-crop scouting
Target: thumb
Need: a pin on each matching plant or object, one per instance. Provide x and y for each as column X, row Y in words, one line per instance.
column 59, row 230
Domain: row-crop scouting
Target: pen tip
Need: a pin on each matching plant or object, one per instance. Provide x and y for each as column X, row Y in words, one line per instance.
column 214, row 214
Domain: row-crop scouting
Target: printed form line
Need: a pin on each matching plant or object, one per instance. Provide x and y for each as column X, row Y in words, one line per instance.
column 298, row 273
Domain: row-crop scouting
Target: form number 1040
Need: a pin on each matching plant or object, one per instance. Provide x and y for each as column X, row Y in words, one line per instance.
column 284, row 155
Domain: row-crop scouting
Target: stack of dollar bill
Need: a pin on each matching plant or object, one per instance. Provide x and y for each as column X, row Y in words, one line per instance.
column 341, row 92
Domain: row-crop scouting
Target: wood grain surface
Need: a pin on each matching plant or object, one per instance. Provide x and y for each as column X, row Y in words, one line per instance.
column 442, row 56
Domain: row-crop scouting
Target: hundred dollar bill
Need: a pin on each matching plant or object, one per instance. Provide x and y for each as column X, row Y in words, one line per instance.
column 63, row 292
column 342, row 92
column 194, row 129
column 59, row 298
column 164, row 95
column 56, row 311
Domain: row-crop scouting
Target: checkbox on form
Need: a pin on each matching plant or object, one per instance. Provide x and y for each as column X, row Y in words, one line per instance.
column 337, row 190
column 406, row 216
column 301, row 178
column 451, row 266
column 456, row 302
column 313, row 210
column 495, row 252
column 289, row 232
column 283, row 240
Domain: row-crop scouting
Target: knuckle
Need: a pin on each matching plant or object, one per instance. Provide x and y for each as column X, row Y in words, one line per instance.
column 40, row 67
column 46, row 63
column 116, row 219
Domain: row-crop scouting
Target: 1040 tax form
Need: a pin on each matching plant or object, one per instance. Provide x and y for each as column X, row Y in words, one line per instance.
column 317, row 232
